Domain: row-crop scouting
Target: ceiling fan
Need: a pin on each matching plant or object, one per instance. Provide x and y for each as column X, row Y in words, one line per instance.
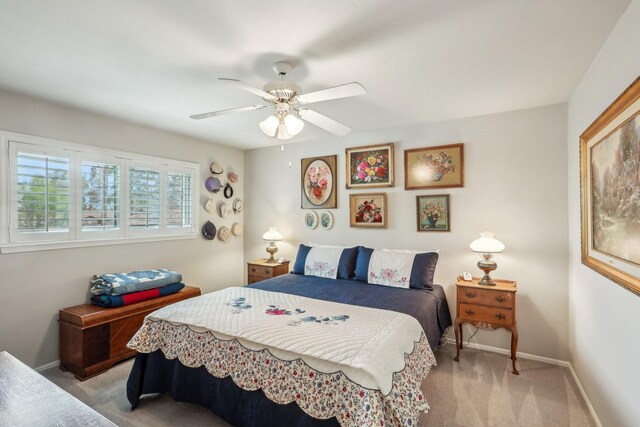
column 289, row 104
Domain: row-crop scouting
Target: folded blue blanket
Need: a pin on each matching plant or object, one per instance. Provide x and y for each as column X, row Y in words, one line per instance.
column 134, row 297
column 124, row 283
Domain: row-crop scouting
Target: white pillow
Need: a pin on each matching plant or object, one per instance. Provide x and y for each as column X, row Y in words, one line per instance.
column 323, row 262
column 410, row 251
column 391, row 268
column 317, row 245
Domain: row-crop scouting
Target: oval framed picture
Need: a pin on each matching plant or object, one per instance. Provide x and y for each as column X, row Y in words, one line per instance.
column 311, row 220
column 318, row 179
column 326, row 220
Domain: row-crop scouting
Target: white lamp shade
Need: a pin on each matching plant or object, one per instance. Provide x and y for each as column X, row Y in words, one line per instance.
column 294, row 124
column 272, row 235
column 270, row 125
column 486, row 244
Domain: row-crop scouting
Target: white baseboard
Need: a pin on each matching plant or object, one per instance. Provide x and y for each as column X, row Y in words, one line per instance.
column 50, row 365
column 543, row 359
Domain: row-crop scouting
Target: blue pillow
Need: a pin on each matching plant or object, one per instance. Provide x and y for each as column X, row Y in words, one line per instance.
column 362, row 264
column 346, row 265
column 301, row 258
column 422, row 270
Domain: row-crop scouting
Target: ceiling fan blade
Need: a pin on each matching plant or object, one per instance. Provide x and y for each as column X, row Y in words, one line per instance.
column 222, row 112
column 342, row 91
column 323, row 122
column 246, row 86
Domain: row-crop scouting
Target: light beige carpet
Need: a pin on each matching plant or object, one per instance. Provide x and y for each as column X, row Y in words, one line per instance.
column 478, row 391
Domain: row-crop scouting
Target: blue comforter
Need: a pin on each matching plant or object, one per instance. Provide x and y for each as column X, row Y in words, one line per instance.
column 428, row 307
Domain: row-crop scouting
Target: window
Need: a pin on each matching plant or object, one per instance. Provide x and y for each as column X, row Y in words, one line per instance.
column 179, row 200
column 144, row 198
column 63, row 192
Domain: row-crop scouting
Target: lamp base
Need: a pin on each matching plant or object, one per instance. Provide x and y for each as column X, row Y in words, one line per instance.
column 487, row 265
column 272, row 249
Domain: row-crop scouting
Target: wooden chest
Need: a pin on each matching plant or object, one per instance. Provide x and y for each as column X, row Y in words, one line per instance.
column 93, row 338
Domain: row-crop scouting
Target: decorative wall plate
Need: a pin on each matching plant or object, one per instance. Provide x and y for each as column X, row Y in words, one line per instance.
column 326, row 220
column 238, row 205
column 236, row 229
column 224, row 234
column 209, row 230
column 216, row 168
column 213, row 184
column 311, row 220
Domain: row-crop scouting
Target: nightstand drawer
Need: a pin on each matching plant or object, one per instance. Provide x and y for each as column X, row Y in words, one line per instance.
column 485, row 297
column 257, row 270
column 479, row 313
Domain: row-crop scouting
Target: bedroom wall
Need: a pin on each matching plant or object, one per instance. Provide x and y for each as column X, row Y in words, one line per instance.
column 604, row 317
column 35, row 285
column 515, row 186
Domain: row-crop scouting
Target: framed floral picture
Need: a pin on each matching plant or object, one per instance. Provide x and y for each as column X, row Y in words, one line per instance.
column 368, row 210
column 318, row 177
column 370, row 166
column 434, row 167
column 432, row 212
column 609, row 189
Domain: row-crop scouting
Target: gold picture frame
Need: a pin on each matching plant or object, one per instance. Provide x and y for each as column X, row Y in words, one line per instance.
column 609, row 181
column 368, row 210
column 370, row 166
column 318, row 182
column 441, row 166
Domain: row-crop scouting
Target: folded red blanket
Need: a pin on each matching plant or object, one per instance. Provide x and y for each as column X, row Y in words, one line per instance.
column 133, row 297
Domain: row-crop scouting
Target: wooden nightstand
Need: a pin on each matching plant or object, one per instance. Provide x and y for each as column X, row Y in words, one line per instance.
column 486, row 307
column 260, row 269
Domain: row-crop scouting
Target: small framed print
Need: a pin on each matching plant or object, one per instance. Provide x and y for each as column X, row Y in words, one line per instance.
column 370, row 166
column 368, row 210
column 311, row 220
column 326, row 220
column 432, row 212
column 434, row 167
column 319, row 182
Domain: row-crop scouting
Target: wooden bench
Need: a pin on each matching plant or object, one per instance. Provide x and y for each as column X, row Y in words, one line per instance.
column 28, row 398
column 94, row 338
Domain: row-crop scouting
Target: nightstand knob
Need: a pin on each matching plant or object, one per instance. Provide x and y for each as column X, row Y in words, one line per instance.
column 267, row 271
column 470, row 294
column 470, row 312
column 253, row 270
column 500, row 298
column 500, row 316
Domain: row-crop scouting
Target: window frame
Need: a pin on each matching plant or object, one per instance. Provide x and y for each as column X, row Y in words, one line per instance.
column 13, row 241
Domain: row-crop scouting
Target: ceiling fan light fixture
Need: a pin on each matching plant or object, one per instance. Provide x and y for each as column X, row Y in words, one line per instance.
column 283, row 133
column 270, row 125
column 294, row 124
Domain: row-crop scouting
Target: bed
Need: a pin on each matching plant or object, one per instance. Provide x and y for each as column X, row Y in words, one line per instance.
column 203, row 379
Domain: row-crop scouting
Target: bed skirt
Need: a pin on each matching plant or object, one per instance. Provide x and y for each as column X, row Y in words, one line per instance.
column 153, row 373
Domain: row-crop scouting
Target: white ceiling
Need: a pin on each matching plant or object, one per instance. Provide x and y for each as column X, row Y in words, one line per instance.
column 156, row 62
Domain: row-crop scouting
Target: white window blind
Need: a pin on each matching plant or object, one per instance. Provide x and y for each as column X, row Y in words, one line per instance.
column 100, row 196
column 179, row 192
column 144, row 198
column 43, row 193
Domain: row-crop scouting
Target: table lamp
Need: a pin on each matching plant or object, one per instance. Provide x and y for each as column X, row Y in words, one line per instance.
column 272, row 236
column 486, row 246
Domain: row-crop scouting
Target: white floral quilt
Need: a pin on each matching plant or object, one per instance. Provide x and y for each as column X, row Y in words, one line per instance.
column 362, row 365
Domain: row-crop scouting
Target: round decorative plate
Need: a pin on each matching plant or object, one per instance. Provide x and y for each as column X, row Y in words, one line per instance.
column 224, row 234
column 216, row 168
column 236, row 229
column 326, row 220
column 238, row 205
column 311, row 220
column 209, row 230
column 318, row 182
column 213, row 184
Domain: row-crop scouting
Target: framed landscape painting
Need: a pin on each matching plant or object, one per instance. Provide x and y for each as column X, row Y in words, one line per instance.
column 368, row 210
column 432, row 212
column 434, row 167
column 610, row 191
column 370, row 166
column 318, row 181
